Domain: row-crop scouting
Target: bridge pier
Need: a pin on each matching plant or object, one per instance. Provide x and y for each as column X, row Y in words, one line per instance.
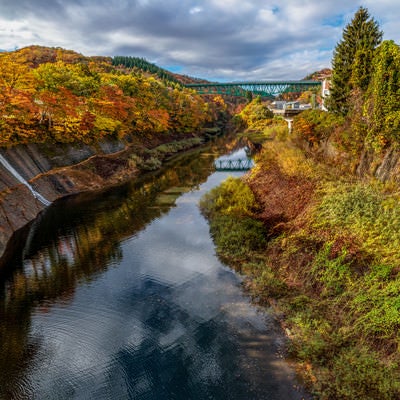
column 289, row 123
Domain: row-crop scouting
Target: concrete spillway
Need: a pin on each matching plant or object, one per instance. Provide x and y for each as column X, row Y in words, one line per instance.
column 15, row 173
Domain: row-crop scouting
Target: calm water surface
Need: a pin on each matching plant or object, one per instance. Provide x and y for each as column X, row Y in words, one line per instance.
column 119, row 295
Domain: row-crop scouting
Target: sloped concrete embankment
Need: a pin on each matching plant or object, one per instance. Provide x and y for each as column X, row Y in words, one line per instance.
column 55, row 171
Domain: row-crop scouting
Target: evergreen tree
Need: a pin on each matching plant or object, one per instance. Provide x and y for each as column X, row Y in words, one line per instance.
column 352, row 58
column 144, row 65
column 382, row 107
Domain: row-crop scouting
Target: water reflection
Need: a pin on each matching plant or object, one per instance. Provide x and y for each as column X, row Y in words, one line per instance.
column 119, row 296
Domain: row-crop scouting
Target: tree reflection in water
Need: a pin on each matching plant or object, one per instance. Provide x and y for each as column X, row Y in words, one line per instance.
column 77, row 239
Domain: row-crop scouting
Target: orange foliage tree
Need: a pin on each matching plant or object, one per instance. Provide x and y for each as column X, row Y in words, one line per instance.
column 61, row 96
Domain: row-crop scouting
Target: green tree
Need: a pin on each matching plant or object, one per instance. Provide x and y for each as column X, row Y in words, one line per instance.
column 382, row 107
column 75, row 77
column 352, row 60
column 255, row 111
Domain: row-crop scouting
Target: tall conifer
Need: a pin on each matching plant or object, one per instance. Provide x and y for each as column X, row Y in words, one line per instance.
column 382, row 108
column 352, row 58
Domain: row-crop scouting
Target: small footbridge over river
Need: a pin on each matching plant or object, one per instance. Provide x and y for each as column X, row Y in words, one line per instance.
column 234, row 165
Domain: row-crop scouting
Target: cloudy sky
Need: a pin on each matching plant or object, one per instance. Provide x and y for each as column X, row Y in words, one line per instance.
column 222, row 40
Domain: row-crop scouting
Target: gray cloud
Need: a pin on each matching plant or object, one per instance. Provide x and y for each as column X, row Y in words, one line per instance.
column 233, row 39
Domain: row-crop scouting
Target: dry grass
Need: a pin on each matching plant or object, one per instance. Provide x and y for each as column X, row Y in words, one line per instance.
column 331, row 266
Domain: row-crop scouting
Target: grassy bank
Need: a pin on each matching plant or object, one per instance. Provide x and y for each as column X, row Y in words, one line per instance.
column 151, row 159
column 324, row 251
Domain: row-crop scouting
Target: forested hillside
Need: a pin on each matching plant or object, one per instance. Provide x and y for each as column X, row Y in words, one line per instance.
column 143, row 65
column 57, row 95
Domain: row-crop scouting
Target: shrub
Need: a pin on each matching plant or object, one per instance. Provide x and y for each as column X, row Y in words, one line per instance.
column 356, row 373
column 376, row 306
column 150, row 160
column 333, row 273
column 151, row 164
column 237, row 238
column 231, row 209
column 255, row 111
column 315, row 125
column 232, row 197
column 365, row 211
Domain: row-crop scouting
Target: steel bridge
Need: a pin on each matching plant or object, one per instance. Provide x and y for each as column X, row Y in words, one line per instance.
column 263, row 89
column 233, row 165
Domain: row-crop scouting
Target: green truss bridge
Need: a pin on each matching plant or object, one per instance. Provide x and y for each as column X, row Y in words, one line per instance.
column 263, row 89
column 233, row 165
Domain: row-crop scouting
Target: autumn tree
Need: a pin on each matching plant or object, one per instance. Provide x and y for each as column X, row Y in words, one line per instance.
column 14, row 73
column 17, row 107
column 255, row 111
column 50, row 94
column 352, row 60
column 77, row 78
column 315, row 126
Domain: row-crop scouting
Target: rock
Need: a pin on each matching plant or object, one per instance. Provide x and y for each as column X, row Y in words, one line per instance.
column 55, row 171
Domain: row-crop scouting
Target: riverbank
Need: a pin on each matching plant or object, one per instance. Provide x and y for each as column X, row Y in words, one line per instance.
column 322, row 248
column 104, row 288
column 59, row 170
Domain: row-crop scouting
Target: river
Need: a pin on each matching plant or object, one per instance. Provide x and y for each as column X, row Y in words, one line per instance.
column 119, row 295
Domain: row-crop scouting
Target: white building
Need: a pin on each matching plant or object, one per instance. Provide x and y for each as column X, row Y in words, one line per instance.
column 325, row 92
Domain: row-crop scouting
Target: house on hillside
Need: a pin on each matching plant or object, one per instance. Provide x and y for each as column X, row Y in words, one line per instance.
column 292, row 105
column 278, row 105
column 325, row 92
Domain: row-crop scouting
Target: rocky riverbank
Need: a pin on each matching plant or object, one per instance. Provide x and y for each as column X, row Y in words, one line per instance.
column 59, row 170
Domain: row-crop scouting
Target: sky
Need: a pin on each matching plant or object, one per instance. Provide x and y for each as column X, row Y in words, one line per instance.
column 220, row 40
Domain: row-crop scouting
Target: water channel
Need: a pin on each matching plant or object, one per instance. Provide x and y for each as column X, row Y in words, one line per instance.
column 119, row 295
